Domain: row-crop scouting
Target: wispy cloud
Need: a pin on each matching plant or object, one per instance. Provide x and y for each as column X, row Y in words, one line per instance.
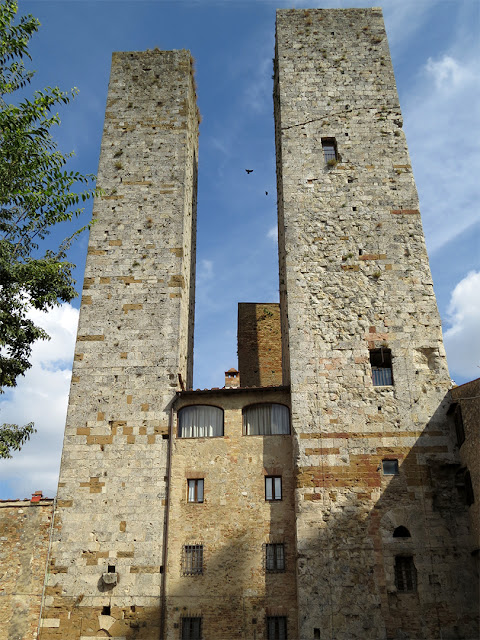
column 439, row 121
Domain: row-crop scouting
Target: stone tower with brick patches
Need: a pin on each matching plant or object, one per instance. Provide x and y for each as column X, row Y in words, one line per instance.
column 323, row 503
column 382, row 545
column 135, row 337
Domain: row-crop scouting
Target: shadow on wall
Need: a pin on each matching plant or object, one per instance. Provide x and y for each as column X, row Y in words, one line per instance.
column 386, row 553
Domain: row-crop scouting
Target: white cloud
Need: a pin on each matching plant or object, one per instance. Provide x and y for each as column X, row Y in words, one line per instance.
column 447, row 73
column 462, row 339
column 41, row 396
column 272, row 233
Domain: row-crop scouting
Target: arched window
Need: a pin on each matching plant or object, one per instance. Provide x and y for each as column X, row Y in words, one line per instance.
column 200, row 421
column 401, row 532
column 266, row 420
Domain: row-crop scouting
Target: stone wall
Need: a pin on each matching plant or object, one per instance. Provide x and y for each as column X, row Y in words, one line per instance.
column 354, row 277
column 134, row 339
column 259, row 344
column 25, row 528
column 467, row 396
column 235, row 592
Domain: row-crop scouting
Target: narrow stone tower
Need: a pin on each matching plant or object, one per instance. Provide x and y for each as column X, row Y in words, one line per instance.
column 381, row 528
column 135, row 341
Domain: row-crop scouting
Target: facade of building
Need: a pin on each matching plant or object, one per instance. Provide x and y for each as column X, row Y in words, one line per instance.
column 316, row 496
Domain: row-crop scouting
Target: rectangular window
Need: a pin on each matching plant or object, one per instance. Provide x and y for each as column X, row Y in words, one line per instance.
column 405, row 574
column 192, row 628
column 277, row 628
column 195, row 490
column 273, row 488
column 192, row 561
column 329, row 146
column 274, row 557
column 390, row 467
column 381, row 363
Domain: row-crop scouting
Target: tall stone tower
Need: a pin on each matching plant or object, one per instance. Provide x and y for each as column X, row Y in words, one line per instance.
column 134, row 343
column 380, row 526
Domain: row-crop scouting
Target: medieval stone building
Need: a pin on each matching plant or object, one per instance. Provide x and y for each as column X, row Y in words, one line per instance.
column 317, row 495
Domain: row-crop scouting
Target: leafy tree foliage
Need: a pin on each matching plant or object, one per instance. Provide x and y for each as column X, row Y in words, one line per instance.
column 36, row 193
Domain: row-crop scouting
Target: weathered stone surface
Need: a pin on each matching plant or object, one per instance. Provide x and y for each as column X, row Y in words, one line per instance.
column 135, row 339
column 354, row 277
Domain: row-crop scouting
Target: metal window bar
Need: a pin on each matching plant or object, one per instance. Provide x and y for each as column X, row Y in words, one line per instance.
column 329, row 152
column 382, row 377
column 405, row 574
column 277, row 628
column 192, row 559
column 192, row 628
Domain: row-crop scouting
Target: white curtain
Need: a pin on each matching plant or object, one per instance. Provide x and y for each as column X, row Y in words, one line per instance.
column 200, row 421
column 266, row 420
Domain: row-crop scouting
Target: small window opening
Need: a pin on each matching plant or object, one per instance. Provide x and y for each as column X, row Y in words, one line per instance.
column 381, row 363
column 273, row 488
column 401, row 532
column 329, row 146
column 132, row 608
column 275, row 558
column 390, row 467
column 405, row 574
column 195, row 490
column 354, row 208
column 360, row 252
column 192, row 561
column 277, row 628
column 106, row 610
column 192, row 628
column 316, row 634
column 111, row 568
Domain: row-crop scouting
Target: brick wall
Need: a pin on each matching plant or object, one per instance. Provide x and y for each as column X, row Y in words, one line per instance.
column 259, row 344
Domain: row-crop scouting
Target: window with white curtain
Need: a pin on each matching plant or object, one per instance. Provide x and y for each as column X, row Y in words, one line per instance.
column 266, row 420
column 200, row 421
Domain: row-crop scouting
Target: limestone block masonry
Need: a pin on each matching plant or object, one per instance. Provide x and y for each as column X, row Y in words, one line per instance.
column 134, row 339
column 354, row 277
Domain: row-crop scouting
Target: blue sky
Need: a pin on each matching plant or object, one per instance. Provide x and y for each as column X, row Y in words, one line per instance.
column 435, row 51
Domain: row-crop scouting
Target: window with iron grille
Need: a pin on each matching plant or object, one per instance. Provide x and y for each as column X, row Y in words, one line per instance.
column 381, row 363
column 275, row 557
column 192, row 628
column 459, row 428
column 405, row 574
column 329, row 146
column 277, row 628
column 192, row 560
column 273, row 488
column 195, row 490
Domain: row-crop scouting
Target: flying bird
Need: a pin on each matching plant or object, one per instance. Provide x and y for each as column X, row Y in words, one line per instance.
column 266, row 193
column 249, row 170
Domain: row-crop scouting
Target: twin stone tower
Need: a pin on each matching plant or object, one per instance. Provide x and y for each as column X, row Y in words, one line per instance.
column 321, row 504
